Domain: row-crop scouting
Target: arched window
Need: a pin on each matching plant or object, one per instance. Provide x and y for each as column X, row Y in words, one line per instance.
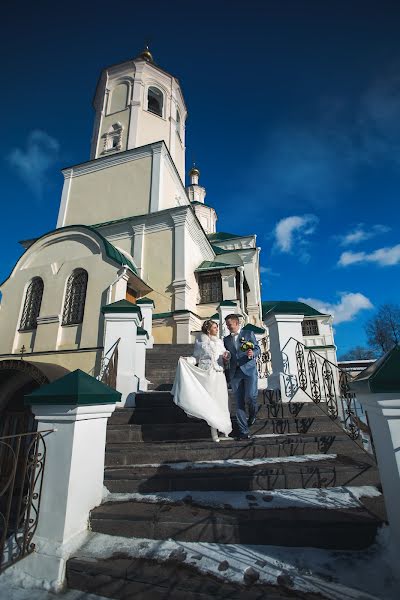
column 178, row 124
column 119, row 98
column 33, row 301
column 155, row 100
column 74, row 304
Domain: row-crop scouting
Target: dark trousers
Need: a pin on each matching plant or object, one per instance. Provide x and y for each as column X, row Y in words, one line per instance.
column 245, row 388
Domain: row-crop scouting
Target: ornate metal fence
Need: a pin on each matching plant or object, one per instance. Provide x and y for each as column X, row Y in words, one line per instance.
column 264, row 360
column 109, row 366
column 323, row 381
column 22, row 462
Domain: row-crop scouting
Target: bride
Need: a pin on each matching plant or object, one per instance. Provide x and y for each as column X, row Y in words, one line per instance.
column 201, row 390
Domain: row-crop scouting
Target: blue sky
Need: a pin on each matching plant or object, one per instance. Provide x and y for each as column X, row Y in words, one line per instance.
column 294, row 121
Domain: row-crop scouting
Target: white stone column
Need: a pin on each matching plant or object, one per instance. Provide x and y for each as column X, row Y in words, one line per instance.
column 228, row 277
column 383, row 411
column 284, row 367
column 73, row 470
column 121, row 322
column 140, row 359
column 138, row 247
column 147, row 309
column 157, row 167
column 181, row 249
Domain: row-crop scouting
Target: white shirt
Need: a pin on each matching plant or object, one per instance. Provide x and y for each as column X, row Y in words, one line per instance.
column 235, row 339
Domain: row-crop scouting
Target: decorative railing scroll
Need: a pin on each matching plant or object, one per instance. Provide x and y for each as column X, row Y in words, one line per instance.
column 22, row 463
column 109, row 366
column 264, row 359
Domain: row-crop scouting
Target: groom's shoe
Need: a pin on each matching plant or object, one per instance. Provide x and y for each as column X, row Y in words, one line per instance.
column 244, row 436
column 251, row 420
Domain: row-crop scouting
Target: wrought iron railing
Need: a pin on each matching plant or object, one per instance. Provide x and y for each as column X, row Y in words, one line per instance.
column 22, row 463
column 323, row 381
column 109, row 366
column 264, row 359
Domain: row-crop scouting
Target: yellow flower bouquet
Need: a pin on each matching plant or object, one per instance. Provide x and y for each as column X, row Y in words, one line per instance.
column 246, row 345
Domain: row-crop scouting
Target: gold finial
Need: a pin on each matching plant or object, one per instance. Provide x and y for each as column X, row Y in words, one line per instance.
column 146, row 54
column 194, row 170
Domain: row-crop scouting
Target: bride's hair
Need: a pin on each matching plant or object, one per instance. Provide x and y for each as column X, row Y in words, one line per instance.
column 205, row 328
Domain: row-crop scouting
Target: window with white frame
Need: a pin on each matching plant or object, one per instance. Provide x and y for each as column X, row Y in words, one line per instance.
column 155, row 101
column 32, row 304
column 310, row 327
column 178, row 124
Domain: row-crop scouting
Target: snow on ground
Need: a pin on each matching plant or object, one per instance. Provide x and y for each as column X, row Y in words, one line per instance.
column 236, row 462
column 16, row 589
column 331, row 498
column 337, row 575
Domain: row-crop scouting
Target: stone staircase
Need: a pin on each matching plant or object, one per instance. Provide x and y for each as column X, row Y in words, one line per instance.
column 156, row 496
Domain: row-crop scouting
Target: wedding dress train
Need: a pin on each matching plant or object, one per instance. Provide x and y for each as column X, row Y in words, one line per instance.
column 201, row 391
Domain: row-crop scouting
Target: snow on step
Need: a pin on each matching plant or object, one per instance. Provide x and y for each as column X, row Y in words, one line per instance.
column 334, row 574
column 330, row 498
column 236, row 462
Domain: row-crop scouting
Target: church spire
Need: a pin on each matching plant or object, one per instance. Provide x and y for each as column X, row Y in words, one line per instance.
column 194, row 175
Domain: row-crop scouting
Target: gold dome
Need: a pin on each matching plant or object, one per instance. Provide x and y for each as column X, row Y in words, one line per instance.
column 194, row 171
column 146, row 55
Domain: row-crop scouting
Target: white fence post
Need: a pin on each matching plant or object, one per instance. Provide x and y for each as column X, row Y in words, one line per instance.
column 77, row 408
column 378, row 391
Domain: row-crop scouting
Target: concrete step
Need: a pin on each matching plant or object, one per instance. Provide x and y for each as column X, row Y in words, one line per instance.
column 341, row 471
column 128, row 578
column 345, row 529
column 130, row 453
column 189, row 430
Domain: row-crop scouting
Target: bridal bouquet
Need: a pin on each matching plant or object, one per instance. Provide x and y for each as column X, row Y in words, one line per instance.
column 246, row 345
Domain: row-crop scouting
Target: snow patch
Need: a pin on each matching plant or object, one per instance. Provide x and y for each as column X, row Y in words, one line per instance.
column 336, row 575
column 329, row 498
column 234, row 462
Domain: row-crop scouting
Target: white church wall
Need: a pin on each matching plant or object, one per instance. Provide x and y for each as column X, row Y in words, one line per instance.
column 117, row 118
column 107, row 191
column 49, row 261
column 158, row 268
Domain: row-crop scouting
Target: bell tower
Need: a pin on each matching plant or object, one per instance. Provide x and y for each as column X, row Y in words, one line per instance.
column 137, row 103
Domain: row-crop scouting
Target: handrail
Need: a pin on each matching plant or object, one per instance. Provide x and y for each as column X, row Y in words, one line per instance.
column 317, row 353
column 6, row 437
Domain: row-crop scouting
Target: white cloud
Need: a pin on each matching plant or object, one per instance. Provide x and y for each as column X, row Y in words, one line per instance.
column 269, row 271
column 33, row 162
column 383, row 257
column 349, row 306
column 292, row 231
column 360, row 233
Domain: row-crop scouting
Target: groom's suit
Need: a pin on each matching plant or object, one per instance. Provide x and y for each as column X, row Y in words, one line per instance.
column 243, row 376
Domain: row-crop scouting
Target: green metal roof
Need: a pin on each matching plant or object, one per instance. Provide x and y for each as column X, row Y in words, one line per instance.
column 222, row 235
column 383, row 376
column 227, row 303
column 121, row 306
column 141, row 331
column 210, row 265
column 77, row 388
column 253, row 328
column 219, row 250
column 288, row 307
column 216, row 316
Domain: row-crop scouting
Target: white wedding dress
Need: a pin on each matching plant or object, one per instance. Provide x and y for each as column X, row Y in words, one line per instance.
column 201, row 391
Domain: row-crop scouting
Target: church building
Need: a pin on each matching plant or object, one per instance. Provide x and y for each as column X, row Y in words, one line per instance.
column 129, row 229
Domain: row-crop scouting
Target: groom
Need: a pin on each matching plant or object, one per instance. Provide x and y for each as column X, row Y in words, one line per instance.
column 242, row 373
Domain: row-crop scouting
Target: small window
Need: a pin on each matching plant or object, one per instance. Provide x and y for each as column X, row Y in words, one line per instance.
column 74, row 304
column 210, row 288
column 113, row 138
column 33, row 301
column 178, row 124
column 310, row 327
column 155, row 100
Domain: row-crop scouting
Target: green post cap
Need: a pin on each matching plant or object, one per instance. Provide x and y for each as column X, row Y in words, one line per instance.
column 122, row 306
column 228, row 303
column 145, row 301
column 383, row 376
column 77, row 388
